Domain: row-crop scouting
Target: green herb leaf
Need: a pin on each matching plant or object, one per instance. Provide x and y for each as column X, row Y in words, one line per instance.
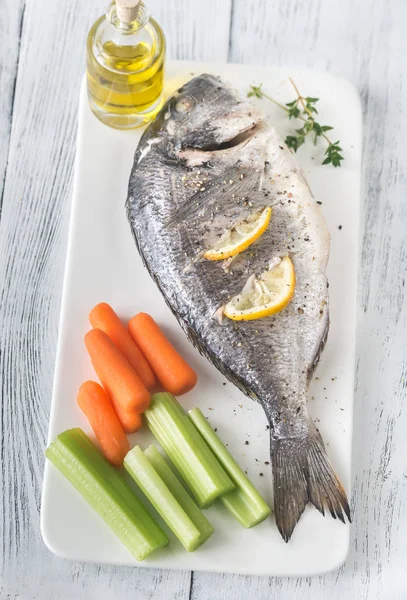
column 255, row 90
column 294, row 142
column 293, row 112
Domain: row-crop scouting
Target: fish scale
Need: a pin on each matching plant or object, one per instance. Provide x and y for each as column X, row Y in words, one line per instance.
column 210, row 159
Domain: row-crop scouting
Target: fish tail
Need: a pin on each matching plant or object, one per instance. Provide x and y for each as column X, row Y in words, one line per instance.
column 302, row 473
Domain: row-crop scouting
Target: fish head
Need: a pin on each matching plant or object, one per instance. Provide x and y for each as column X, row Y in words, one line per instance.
column 205, row 115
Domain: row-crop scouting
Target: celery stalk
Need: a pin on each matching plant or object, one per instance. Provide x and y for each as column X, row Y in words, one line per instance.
column 245, row 502
column 78, row 459
column 180, row 494
column 149, row 481
column 187, row 450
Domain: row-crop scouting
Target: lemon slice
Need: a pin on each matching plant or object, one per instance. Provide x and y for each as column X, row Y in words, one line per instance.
column 264, row 295
column 241, row 236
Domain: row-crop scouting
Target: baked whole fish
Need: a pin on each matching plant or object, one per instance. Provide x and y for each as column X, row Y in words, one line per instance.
column 206, row 162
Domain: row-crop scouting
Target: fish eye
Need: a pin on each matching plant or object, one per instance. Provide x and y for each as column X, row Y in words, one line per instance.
column 185, row 105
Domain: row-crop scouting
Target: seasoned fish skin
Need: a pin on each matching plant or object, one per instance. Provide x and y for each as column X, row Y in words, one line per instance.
column 207, row 161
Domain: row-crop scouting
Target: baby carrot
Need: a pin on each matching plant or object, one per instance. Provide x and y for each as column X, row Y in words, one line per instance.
column 95, row 403
column 171, row 370
column 130, row 420
column 119, row 379
column 103, row 317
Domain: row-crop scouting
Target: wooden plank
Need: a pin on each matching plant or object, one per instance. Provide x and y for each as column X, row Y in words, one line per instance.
column 362, row 40
column 365, row 42
column 295, row 33
column 195, row 30
column 33, row 234
column 11, row 22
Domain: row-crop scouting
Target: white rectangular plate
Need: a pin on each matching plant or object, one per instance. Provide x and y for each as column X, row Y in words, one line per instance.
column 103, row 265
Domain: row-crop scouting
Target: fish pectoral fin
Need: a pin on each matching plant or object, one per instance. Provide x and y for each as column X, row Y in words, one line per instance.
column 302, row 473
column 235, row 183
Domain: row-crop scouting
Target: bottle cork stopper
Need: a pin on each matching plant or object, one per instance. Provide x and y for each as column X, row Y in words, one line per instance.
column 127, row 10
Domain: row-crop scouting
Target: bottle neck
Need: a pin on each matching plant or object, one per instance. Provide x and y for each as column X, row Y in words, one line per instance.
column 127, row 28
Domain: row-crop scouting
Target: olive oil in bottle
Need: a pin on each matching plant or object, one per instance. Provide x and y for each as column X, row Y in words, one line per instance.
column 125, row 65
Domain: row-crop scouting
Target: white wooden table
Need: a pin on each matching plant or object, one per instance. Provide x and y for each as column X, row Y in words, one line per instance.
column 41, row 65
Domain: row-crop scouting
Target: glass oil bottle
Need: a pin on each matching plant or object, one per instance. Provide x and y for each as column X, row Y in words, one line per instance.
column 125, row 65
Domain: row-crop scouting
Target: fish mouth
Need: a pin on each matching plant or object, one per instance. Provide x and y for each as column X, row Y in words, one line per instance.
column 198, row 154
column 236, row 140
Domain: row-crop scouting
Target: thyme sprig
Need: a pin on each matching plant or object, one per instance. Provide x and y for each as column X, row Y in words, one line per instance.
column 303, row 108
